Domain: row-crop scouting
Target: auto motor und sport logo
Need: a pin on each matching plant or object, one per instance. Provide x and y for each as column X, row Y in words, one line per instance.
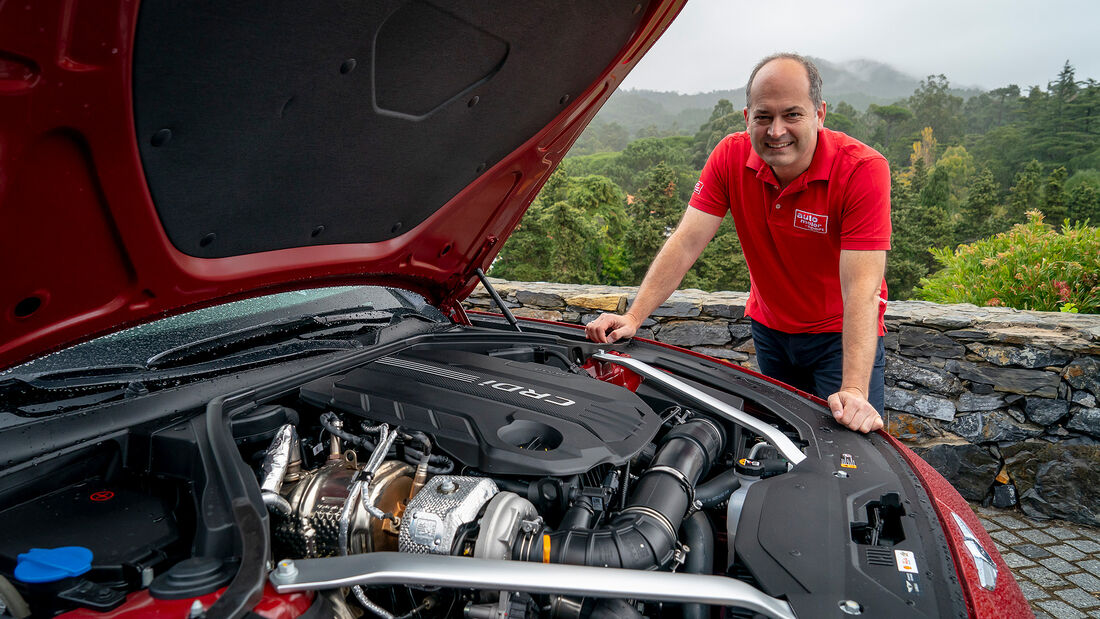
column 813, row 222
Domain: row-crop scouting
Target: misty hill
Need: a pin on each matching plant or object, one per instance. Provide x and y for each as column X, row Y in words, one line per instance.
column 857, row 82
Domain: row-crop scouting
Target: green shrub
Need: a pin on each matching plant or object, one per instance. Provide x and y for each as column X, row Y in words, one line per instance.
column 1029, row 267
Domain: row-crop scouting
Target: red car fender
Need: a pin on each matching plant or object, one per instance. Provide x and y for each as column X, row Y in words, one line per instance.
column 141, row 605
column 1006, row 600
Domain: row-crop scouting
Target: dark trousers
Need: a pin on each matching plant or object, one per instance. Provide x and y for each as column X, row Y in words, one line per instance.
column 812, row 362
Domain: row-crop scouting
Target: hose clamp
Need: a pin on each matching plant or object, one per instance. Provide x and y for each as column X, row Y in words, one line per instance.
column 713, row 426
column 656, row 515
column 527, row 542
column 680, row 477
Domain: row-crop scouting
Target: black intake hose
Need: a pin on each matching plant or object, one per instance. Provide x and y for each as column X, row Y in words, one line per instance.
column 698, row 536
column 712, row 492
column 642, row 536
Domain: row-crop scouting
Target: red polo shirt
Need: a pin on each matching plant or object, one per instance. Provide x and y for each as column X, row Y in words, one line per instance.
column 792, row 237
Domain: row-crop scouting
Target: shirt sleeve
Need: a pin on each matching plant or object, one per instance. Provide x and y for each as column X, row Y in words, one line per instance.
column 865, row 224
column 711, row 193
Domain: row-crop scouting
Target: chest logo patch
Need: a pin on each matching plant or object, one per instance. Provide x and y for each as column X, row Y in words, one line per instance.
column 811, row 221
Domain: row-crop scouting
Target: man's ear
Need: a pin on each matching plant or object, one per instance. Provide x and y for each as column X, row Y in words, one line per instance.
column 746, row 112
column 820, row 116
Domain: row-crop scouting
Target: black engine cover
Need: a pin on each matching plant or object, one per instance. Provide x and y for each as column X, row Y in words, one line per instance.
column 500, row 416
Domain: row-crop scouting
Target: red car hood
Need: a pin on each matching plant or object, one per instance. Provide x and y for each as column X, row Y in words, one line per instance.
column 163, row 156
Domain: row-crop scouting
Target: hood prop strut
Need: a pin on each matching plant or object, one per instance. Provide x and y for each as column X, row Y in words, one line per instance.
column 499, row 301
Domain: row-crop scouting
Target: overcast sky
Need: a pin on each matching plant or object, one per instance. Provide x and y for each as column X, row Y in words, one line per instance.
column 713, row 44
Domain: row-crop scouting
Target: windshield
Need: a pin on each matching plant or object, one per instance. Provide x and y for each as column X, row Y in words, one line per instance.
column 137, row 345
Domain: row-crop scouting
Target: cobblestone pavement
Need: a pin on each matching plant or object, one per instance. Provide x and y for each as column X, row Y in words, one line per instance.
column 1056, row 563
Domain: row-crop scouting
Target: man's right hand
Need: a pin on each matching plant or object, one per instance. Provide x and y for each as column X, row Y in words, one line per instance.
column 609, row 328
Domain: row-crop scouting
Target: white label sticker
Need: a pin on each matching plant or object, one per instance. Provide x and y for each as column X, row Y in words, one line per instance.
column 907, row 561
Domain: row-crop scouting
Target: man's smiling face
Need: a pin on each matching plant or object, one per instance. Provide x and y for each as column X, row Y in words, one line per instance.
column 782, row 120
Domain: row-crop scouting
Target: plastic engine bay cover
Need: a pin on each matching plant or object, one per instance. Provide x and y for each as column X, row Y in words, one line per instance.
column 497, row 415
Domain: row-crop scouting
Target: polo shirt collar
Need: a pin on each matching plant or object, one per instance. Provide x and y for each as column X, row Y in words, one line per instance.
column 820, row 166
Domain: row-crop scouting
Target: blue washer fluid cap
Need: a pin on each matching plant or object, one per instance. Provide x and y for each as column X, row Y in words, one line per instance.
column 52, row 564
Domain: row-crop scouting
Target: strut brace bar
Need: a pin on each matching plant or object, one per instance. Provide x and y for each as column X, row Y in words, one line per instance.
column 394, row 568
column 673, row 385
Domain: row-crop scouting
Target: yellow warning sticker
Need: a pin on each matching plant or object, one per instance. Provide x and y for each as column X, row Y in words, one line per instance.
column 847, row 461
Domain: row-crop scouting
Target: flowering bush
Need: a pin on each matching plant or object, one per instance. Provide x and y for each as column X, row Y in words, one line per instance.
column 1029, row 267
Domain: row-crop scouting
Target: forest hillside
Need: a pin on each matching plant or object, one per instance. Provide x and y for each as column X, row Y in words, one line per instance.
column 965, row 168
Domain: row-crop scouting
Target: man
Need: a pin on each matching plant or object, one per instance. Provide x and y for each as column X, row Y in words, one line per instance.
column 812, row 210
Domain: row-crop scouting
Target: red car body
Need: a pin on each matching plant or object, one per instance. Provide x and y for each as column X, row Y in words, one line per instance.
column 99, row 235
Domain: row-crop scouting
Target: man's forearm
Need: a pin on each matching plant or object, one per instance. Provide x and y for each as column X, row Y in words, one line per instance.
column 860, row 340
column 861, row 278
column 679, row 252
column 661, row 280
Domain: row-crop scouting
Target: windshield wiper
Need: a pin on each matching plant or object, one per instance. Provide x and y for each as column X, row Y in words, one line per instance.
column 24, row 398
column 71, row 389
column 263, row 344
column 341, row 324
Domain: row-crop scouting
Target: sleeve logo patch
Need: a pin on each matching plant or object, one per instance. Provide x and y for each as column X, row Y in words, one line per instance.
column 699, row 187
column 811, row 221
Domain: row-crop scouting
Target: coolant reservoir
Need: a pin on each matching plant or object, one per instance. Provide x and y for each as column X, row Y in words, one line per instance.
column 748, row 472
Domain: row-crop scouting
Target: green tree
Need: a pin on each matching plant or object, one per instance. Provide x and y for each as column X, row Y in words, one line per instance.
column 653, row 131
column 934, row 227
column 1054, row 197
column 721, row 265
column 1024, row 195
column 603, row 205
column 1083, row 196
column 919, row 176
column 643, row 154
column 523, row 256
column 574, row 232
column 934, row 106
column 600, row 137
column 1084, row 203
column 653, row 215
column 1063, row 90
column 571, row 257
column 904, row 264
column 976, row 216
column 893, row 118
column 959, row 166
column 842, row 117
column 556, row 187
column 992, row 109
column 603, row 164
column 724, row 120
column 920, row 222
column 1004, row 150
column 1007, row 103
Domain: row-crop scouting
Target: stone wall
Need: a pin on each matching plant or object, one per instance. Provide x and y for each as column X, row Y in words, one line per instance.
column 1004, row 403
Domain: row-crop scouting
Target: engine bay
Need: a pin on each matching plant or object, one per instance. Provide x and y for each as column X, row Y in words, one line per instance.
column 507, row 454
column 483, row 450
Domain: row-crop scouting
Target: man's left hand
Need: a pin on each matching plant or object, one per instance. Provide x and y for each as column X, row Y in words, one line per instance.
column 852, row 410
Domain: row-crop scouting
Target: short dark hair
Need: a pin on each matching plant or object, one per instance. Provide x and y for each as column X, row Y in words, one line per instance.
column 811, row 72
